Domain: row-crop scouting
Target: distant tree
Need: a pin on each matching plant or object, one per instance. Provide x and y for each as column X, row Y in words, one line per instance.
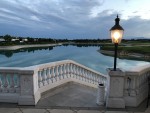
column 7, row 38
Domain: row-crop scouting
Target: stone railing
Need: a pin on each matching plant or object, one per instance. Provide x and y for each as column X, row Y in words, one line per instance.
column 25, row 85
column 136, row 85
column 16, row 85
column 57, row 73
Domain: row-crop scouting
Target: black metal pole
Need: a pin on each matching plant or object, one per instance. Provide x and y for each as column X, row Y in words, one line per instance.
column 115, row 56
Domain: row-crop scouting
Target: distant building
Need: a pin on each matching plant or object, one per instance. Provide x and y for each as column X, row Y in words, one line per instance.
column 2, row 40
column 14, row 39
column 24, row 39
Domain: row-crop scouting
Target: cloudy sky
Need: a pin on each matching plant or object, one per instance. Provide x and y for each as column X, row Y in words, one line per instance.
column 73, row 18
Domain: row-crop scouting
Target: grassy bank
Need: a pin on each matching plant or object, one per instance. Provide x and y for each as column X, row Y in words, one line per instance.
column 129, row 49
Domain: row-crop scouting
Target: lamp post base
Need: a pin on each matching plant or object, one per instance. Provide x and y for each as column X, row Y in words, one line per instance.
column 116, row 85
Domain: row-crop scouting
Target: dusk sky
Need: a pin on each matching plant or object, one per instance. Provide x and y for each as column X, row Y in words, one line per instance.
column 74, row 19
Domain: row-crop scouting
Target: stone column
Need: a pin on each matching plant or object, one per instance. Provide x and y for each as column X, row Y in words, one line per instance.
column 115, row 97
column 29, row 94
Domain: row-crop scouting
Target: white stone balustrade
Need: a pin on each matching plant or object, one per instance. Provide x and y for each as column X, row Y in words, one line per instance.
column 25, row 85
column 16, row 85
column 136, row 85
column 54, row 74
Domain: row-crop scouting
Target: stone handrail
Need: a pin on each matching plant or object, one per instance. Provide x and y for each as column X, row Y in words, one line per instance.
column 25, row 85
column 136, row 85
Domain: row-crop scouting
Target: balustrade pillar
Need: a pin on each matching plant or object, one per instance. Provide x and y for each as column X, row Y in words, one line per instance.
column 29, row 93
column 116, row 89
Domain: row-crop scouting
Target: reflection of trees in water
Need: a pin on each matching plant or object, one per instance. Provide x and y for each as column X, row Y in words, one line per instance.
column 9, row 53
column 83, row 45
column 87, row 45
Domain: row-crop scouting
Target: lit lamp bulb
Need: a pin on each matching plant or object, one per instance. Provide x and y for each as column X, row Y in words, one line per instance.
column 116, row 32
column 116, row 36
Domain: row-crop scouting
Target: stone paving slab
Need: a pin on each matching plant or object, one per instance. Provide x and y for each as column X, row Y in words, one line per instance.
column 31, row 110
column 69, row 95
column 89, row 111
column 60, row 111
column 34, row 110
column 71, row 98
column 9, row 110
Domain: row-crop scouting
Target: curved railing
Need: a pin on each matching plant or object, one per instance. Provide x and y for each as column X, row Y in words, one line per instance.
column 56, row 73
column 25, row 85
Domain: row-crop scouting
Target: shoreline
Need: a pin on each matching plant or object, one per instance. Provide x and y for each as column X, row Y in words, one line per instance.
column 27, row 46
column 126, row 56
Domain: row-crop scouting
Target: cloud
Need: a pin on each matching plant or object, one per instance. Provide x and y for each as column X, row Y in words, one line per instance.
column 63, row 19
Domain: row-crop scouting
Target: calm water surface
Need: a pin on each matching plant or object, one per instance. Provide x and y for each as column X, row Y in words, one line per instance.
column 87, row 56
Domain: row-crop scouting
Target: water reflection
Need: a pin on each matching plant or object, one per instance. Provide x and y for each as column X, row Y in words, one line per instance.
column 9, row 53
column 88, row 56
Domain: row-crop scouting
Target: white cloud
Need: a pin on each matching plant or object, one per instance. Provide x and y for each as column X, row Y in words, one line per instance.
column 72, row 18
column 33, row 17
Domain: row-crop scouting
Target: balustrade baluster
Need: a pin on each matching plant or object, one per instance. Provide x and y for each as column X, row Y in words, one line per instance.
column 68, row 71
column 82, row 74
column 48, row 75
column 89, row 77
column 90, row 73
column 96, row 78
column 100, row 80
column 73, row 68
column 12, row 84
column 44, row 77
column 1, row 84
column 5, row 86
column 40, row 79
column 61, row 72
column 71, row 71
column 85, row 75
column 92, row 78
column 65, row 74
column 56, row 72
column 52, row 78
column 70, row 67
column 17, row 86
column 77, row 72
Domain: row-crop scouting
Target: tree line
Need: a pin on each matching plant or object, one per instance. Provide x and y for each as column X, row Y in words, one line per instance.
column 11, row 40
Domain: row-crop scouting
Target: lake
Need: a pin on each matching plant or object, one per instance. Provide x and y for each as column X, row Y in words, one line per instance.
column 88, row 56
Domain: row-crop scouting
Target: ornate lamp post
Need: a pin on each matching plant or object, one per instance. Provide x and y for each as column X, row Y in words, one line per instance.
column 116, row 36
column 115, row 97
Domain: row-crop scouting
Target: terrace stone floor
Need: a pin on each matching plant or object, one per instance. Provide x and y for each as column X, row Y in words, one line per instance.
column 69, row 98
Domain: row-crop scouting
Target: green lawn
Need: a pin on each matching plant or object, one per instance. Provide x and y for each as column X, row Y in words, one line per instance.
column 133, row 49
